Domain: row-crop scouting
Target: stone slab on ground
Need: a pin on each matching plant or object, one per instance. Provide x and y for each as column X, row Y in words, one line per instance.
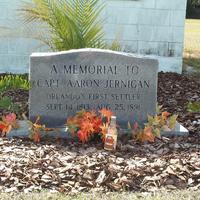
column 23, row 131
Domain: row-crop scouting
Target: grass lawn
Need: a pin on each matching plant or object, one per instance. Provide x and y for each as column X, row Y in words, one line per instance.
column 179, row 195
column 192, row 43
column 192, row 37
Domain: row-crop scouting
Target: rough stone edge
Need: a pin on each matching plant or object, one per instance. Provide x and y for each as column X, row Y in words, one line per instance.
column 46, row 54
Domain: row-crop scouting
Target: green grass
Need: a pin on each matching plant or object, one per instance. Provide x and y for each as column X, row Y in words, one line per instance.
column 194, row 62
column 179, row 195
column 192, row 46
column 192, row 37
column 193, row 107
column 13, row 82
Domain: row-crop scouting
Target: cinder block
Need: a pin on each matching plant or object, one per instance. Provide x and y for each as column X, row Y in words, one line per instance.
column 178, row 34
column 14, row 63
column 130, row 15
column 132, row 3
column 170, row 64
column 130, row 32
column 22, row 45
column 147, row 48
column 121, row 32
column 176, row 49
column 155, row 17
column 154, row 33
column 111, row 31
column 3, row 11
column 153, row 48
column 130, row 46
column 171, row 4
column 3, row 46
column 177, row 18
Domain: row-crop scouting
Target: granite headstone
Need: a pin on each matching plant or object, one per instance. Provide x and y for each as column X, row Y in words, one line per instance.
column 66, row 82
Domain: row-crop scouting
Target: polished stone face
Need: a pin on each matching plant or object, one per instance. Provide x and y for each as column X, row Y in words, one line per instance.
column 66, row 82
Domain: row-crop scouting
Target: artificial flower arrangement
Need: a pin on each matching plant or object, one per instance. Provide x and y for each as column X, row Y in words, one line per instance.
column 87, row 125
column 162, row 121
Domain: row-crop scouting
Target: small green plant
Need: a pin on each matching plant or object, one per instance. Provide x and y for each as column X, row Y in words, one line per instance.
column 13, row 82
column 7, row 104
column 193, row 107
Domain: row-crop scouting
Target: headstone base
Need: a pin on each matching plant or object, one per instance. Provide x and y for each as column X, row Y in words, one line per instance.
column 61, row 132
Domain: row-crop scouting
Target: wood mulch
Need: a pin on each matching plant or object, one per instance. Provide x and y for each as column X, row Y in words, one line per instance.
column 72, row 167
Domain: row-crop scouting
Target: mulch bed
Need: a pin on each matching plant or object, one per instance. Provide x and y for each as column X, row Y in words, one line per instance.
column 72, row 167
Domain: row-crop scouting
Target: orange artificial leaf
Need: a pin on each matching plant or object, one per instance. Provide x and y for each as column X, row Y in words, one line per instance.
column 5, row 129
column 146, row 135
column 89, row 115
column 96, row 124
column 83, row 136
column 165, row 114
column 136, row 130
column 36, row 137
column 73, row 121
column 106, row 113
column 38, row 126
column 172, row 121
column 104, row 130
column 135, row 126
column 87, row 127
column 10, row 121
column 2, row 129
column 2, row 126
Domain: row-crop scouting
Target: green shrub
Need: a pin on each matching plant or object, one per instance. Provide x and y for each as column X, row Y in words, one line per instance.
column 191, row 5
column 13, row 82
column 7, row 104
column 193, row 107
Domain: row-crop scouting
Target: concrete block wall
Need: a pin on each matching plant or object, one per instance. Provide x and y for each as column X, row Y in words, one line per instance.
column 150, row 27
column 14, row 51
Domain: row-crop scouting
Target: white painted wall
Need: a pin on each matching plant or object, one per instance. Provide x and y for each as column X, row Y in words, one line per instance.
column 152, row 27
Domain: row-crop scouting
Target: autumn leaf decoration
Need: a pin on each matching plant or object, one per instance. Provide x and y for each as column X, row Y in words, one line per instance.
column 36, row 130
column 87, row 124
column 8, row 123
column 160, row 122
